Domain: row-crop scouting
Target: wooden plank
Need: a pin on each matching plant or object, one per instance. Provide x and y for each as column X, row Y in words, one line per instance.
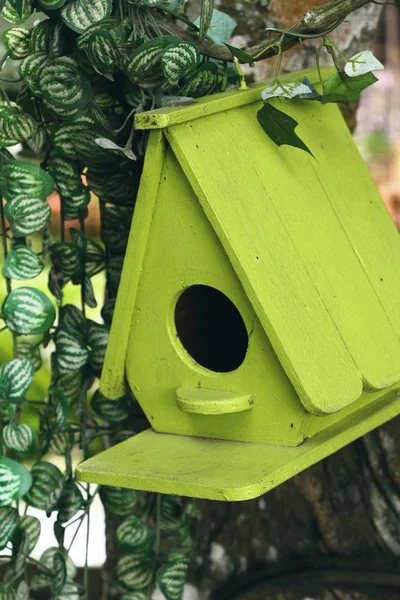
column 304, row 194
column 209, row 105
column 112, row 383
column 225, row 470
column 219, row 165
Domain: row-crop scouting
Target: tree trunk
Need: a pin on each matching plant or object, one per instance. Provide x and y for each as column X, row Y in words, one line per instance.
column 332, row 532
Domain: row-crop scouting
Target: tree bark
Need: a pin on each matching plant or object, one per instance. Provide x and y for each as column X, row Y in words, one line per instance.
column 332, row 532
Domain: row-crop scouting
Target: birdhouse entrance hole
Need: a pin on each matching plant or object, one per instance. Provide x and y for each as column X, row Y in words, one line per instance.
column 211, row 328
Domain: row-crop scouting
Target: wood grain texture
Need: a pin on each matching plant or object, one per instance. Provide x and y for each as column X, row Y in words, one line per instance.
column 231, row 471
column 113, row 382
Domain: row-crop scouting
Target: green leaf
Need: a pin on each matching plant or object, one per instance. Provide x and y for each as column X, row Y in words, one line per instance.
column 28, row 311
column 15, row 480
column 27, row 214
column 97, row 338
column 171, row 512
column 8, row 523
column 78, row 15
column 339, row 87
column 31, row 526
column 17, row 42
column 20, row 439
column 134, row 535
column 15, row 126
column 22, row 591
column 362, row 63
column 47, row 485
column 103, row 52
column 293, row 89
column 47, row 561
column 51, row 4
column 118, row 501
column 30, row 71
column 134, row 572
column 15, row 378
column 134, row 596
column 242, row 56
column 206, row 13
column 202, row 82
column 221, row 27
column 71, row 354
column 179, row 60
column 21, row 178
column 71, row 501
column 70, row 591
column 280, row 127
column 113, row 411
column 171, row 577
column 41, row 37
column 7, row 592
column 145, row 62
column 22, row 263
column 59, row 573
column 61, row 83
column 17, row 11
column 30, row 351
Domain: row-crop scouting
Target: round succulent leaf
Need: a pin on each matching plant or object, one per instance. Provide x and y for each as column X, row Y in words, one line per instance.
column 71, row 354
column 21, row 178
column 171, row 577
column 47, row 485
column 30, row 351
column 17, row 41
column 134, row 572
column 17, row 11
column 113, row 411
column 22, row 263
column 8, row 523
column 134, row 535
column 71, row 501
column 202, row 82
column 78, row 15
column 15, row 480
column 31, row 527
column 30, row 71
column 28, row 311
column 19, row 438
column 16, row 376
column 179, row 60
column 27, row 214
column 118, row 501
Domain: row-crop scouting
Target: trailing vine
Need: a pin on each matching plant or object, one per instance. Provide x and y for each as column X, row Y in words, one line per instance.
column 85, row 68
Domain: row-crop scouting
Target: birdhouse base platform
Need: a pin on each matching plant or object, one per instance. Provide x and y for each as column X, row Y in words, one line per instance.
column 226, row 470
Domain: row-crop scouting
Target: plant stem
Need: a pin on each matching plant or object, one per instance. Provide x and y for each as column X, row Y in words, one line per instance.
column 5, row 253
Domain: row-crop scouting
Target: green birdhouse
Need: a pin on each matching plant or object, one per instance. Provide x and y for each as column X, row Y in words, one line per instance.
column 258, row 316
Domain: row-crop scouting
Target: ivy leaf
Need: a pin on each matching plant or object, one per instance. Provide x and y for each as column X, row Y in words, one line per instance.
column 339, row 87
column 171, row 577
column 15, row 480
column 27, row 214
column 15, row 378
column 78, row 15
column 20, row 439
column 8, row 523
column 134, row 535
column 241, row 55
column 47, row 485
column 362, row 63
column 28, row 311
column 134, row 572
column 22, row 263
column 221, row 27
column 280, row 127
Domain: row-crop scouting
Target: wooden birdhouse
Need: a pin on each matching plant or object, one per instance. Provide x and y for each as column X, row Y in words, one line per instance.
column 258, row 316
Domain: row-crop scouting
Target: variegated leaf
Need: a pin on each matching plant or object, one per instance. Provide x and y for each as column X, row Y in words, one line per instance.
column 47, row 560
column 59, row 573
column 207, row 7
column 22, row 591
column 15, row 126
column 40, row 37
column 118, row 501
column 51, row 4
column 30, row 71
column 29, row 350
column 28, row 311
column 145, row 62
column 27, row 214
column 179, row 60
column 62, row 84
column 113, row 411
column 17, row 42
column 134, row 572
column 134, row 535
column 31, row 526
column 16, row 376
column 71, row 354
column 97, row 338
column 107, row 24
column 134, row 596
column 70, row 591
column 22, row 263
column 21, row 178
column 8, row 523
column 67, row 259
column 15, row 480
column 46, row 488
column 171, row 577
column 17, row 11
column 75, row 204
column 78, row 15
column 20, row 439
column 103, row 52
column 7, row 592
column 61, row 443
column 73, row 321
column 115, row 226
column 37, row 143
column 70, row 502
column 60, row 415
column 202, row 82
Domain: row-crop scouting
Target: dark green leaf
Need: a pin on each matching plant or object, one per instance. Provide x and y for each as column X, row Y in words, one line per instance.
column 118, row 501
column 113, row 411
column 241, row 55
column 19, row 177
column 134, row 535
column 339, row 87
column 59, row 573
column 70, row 502
column 47, row 485
column 15, row 480
column 31, row 527
column 171, row 577
column 135, row 572
column 22, row 263
column 20, row 439
column 280, row 127
column 8, row 523
column 28, row 311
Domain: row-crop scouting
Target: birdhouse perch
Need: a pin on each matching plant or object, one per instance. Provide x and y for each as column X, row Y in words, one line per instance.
column 258, row 316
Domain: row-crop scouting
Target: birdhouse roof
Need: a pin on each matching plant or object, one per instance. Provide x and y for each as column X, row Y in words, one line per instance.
column 308, row 236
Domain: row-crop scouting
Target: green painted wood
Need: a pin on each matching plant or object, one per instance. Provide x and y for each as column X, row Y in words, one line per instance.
column 222, row 470
column 113, row 382
column 202, row 401
column 183, row 250
column 216, row 103
column 219, row 158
